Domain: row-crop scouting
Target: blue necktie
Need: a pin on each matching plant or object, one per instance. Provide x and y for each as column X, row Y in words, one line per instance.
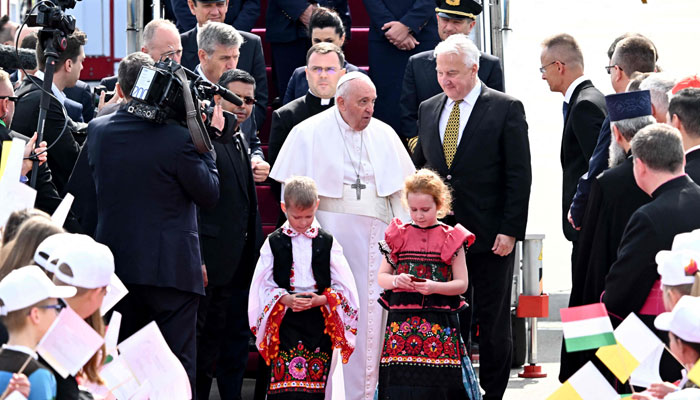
column 565, row 109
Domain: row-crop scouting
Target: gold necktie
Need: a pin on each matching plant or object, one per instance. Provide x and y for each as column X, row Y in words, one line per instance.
column 449, row 142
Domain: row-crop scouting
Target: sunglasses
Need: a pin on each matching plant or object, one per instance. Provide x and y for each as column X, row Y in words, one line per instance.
column 11, row 98
column 247, row 100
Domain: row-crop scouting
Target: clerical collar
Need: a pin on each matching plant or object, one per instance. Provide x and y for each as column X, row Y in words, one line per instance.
column 59, row 94
column 324, row 102
column 677, row 181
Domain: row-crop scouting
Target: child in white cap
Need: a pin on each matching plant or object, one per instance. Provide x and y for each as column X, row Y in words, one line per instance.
column 679, row 275
column 29, row 304
column 683, row 326
column 88, row 266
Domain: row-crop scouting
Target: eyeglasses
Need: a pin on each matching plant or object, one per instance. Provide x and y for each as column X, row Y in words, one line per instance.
column 247, row 100
column 11, row 98
column 328, row 70
column 610, row 67
column 544, row 67
column 58, row 306
column 171, row 53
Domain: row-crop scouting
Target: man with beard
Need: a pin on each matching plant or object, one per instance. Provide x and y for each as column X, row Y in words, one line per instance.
column 614, row 197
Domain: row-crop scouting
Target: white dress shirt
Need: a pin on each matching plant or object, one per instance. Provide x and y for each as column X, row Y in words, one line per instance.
column 59, row 94
column 465, row 110
column 572, row 87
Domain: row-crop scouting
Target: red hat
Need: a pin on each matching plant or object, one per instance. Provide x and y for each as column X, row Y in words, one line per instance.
column 689, row 82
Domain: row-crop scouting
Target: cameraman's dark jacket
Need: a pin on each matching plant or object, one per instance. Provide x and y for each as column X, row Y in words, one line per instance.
column 64, row 153
column 149, row 180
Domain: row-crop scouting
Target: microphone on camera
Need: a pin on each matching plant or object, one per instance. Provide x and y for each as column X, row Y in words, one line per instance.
column 9, row 60
column 216, row 89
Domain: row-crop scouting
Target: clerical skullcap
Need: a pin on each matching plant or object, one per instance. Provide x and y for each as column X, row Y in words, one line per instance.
column 685, row 83
column 628, row 105
column 458, row 9
column 354, row 75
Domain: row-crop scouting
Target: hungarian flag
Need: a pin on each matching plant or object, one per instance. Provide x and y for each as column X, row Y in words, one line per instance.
column 586, row 327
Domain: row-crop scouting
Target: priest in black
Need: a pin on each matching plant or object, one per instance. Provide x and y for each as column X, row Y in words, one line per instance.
column 613, row 198
column 420, row 80
column 684, row 115
column 631, row 286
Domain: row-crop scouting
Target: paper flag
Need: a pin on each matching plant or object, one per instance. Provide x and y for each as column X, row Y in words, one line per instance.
column 59, row 216
column 648, row 372
column 586, row 327
column 586, row 384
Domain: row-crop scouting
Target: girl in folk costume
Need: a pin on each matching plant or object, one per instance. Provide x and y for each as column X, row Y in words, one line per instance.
column 424, row 274
column 303, row 299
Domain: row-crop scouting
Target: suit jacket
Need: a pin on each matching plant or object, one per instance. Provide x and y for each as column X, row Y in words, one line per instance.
column 298, row 86
column 674, row 208
column 420, row 83
column 418, row 15
column 82, row 93
column 227, row 232
column 109, row 82
column 692, row 165
column 491, row 174
column 282, row 23
column 251, row 60
column 585, row 116
column 47, row 198
column 149, row 180
column 74, row 109
column 64, row 152
column 242, row 14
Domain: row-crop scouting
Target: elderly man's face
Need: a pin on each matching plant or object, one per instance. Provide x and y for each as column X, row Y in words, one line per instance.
column 449, row 26
column 246, row 92
column 357, row 106
column 165, row 43
column 205, row 12
column 455, row 78
column 7, row 106
column 323, row 73
column 221, row 60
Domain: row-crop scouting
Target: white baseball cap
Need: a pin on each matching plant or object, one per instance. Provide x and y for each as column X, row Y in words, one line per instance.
column 83, row 264
column 684, row 394
column 49, row 248
column 687, row 241
column 27, row 286
column 677, row 267
column 683, row 321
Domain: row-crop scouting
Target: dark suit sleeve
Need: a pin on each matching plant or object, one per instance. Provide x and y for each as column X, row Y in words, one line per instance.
column 586, row 123
column 248, row 15
column 185, row 19
column 631, row 277
column 291, row 88
column 293, row 8
column 278, row 133
column 495, row 79
column 418, row 157
column 255, row 145
column 409, row 102
column 518, row 173
column 418, row 15
column 378, row 13
column 260, row 76
column 597, row 164
column 198, row 175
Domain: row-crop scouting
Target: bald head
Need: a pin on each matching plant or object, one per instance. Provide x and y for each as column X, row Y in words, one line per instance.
column 161, row 39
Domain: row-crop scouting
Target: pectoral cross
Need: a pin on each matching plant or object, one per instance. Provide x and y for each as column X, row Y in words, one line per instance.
column 358, row 186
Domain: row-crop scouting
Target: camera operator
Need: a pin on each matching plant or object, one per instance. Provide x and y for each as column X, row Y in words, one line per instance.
column 149, row 180
column 219, row 46
column 68, row 65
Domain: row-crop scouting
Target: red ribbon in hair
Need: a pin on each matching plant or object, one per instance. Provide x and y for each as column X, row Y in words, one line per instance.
column 692, row 268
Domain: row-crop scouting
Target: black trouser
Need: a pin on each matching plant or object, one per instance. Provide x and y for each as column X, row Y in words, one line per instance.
column 286, row 57
column 175, row 312
column 233, row 356
column 490, row 278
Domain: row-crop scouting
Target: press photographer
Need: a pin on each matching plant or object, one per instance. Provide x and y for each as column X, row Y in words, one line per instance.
column 149, row 180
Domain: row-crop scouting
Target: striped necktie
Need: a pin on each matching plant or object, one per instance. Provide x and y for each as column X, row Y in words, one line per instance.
column 449, row 142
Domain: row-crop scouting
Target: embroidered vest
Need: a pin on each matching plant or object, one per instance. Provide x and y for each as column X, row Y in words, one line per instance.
column 281, row 246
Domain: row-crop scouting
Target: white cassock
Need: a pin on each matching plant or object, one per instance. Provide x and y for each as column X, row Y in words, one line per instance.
column 326, row 149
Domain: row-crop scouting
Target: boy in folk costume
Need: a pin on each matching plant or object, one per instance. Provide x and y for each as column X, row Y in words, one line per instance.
column 303, row 300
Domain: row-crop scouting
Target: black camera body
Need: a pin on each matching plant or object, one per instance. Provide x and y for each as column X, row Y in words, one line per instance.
column 157, row 94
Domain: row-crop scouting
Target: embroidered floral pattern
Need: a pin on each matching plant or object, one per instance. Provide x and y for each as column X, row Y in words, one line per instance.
column 270, row 345
column 335, row 328
column 418, row 341
column 299, row 369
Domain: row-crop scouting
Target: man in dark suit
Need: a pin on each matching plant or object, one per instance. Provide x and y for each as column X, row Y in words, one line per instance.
column 150, row 180
column 82, row 94
column 241, row 14
column 584, row 112
column 251, row 57
column 639, row 57
column 476, row 139
column 65, row 150
column 420, row 82
column 631, row 286
column 228, row 236
column 684, row 115
column 325, row 26
column 614, row 197
column 287, row 30
column 160, row 40
column 398, row 30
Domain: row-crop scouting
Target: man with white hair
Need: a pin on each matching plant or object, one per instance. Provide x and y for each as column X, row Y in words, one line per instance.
column 659, row 84
column 358, row 198
column 476, row 139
